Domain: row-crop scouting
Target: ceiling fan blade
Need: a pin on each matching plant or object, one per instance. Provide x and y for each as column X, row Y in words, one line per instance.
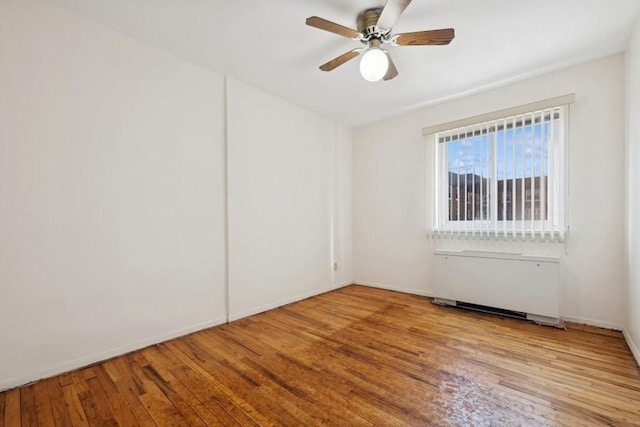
column 391, row 12
column 422, row 38
column 332, row 27
column 336, row 62
column 392, row 71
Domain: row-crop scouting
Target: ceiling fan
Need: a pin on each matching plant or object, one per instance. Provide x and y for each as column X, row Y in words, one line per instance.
column 375, row 29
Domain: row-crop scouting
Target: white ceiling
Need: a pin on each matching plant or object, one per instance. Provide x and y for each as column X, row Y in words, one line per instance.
column 267, row 44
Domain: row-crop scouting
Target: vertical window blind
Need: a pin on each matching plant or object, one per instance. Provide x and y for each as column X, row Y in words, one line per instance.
column 502, row 178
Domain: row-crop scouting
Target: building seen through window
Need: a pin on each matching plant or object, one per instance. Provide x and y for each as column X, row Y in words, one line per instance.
column 505, row 174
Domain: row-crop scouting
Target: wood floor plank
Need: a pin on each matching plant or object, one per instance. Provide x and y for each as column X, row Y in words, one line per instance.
column 292, row 393
column 355, row 356
column 116, row 403
column 231, row 350
column 65, row 379
column 43, row 404
column 246, row 388
column 13, row 410
column 298, row 386
column 183, row 396
column 262, row 350
column 227, row 397
column 157, row 404
column 74, row 405
column 59, row 409
column 90, row 410
column 3, row 397
column 120, row 373
column 28, row 406
column 196, row 389
column 100, row 403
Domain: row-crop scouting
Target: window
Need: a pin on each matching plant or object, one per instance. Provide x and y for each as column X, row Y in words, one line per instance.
column 503, row 177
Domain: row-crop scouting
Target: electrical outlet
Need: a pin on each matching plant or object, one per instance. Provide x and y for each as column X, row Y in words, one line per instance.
column 335, row 266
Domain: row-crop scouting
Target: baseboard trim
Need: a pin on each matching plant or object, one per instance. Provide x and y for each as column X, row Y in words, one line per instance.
column 280, row 303
column 14, row 382
column 10, row 383
column 394, row 288
column 632, row 346
column 593, row 322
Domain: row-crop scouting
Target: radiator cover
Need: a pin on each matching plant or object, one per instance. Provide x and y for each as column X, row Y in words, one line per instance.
column 521, row 283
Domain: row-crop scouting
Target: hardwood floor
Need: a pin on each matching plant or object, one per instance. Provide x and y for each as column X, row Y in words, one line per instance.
column 355, row 356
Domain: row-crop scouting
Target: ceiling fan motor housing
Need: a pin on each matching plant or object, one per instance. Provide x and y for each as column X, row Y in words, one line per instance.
column 368, row 24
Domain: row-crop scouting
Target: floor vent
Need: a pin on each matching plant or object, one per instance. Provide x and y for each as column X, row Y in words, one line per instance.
column 492, row 310
column 541, row 320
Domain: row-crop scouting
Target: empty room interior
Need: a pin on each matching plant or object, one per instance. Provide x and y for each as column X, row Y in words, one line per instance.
column 369, row 212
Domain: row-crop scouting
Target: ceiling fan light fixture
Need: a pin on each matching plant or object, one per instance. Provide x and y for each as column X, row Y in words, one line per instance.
column 374, row 64
column 375, row 27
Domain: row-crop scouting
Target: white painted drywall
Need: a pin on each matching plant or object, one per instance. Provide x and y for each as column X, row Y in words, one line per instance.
column 283, row 185
column 632, row 327
column 389, row 184
column 111, row 193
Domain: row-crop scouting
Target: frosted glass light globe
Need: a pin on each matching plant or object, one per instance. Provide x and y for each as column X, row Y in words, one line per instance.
column 374, row 64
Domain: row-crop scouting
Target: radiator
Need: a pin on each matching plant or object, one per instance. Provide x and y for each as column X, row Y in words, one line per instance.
column 528, row 286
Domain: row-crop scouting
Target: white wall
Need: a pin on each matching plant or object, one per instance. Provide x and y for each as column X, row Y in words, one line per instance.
column 111, row 184
column 390, row 244
column 113, row 195
column 632, row 327
column 282, row 186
